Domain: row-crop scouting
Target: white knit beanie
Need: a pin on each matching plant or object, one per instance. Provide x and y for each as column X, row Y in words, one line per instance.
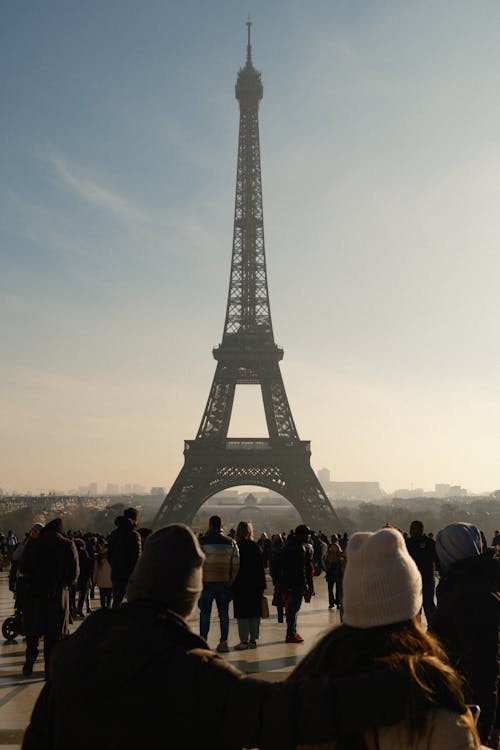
column 382, row 584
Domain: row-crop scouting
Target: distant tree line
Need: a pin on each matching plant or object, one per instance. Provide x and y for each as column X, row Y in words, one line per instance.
column 434, row 513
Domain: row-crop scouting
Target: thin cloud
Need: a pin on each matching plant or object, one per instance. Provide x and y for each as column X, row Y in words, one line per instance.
column 94, row 193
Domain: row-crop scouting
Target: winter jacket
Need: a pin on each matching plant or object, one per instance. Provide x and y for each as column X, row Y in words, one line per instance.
column 250, row 582
column 445, row 730
column 467, row 620
column 146, row 680
column 297, row 573
column 124, row 549
column 49, row 565
column 222, row 558
column 102, row 571
column 423, row 551
column 86, row 567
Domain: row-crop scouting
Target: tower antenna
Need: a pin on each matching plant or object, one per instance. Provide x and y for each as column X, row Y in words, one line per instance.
column 249, row 41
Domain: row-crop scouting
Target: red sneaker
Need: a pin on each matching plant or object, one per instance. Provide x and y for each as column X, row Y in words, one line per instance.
column 295, row 638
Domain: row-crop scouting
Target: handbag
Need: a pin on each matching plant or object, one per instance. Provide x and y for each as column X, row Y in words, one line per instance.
column 264, row 608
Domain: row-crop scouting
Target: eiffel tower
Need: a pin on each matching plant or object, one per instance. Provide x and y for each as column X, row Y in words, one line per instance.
column 248, row 355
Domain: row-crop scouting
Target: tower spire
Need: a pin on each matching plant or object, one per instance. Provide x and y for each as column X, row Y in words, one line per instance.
column 249, row 42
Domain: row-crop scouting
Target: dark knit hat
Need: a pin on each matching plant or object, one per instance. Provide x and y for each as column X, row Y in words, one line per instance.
column 169, row 570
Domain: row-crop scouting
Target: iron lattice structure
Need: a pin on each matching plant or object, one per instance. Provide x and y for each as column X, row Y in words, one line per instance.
column 248, row 355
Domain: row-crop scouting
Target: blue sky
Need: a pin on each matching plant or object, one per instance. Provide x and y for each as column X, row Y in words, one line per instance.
column 380, row 138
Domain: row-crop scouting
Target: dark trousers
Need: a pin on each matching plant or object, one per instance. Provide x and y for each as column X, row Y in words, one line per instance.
column 294, row 602
column 32, row 644
column 119, row 588
column 105, row 596
column 334, row 598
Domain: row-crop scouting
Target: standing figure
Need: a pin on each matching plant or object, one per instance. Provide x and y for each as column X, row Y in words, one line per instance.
column 297, row 575
column 423, row 551
column 248, row 587
column 264, row 544
column 467, row 619
column 124, row 549
column 222, row 561
column 49, row 566
column 276, row 571
column 84, row 576
column 334, row 573
column 102, row 577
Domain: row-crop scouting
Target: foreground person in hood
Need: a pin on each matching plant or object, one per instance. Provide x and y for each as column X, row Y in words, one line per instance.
column 467, row 619
column 139, row 677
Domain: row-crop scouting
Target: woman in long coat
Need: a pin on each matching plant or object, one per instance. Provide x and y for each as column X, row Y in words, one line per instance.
column 248, row 587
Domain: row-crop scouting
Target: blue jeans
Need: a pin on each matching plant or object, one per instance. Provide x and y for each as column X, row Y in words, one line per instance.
column 221, row 592
column 294, row 604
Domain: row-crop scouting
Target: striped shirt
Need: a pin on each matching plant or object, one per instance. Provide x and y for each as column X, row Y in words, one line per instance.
column 222, row 557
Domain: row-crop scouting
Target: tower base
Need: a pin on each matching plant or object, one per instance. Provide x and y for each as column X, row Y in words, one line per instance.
column 282, row 466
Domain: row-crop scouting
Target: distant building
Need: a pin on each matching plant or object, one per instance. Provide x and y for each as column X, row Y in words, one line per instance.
column 157, row 491
column 355, row 490
column 93, row 489
column 404, row 494
column 112, row 489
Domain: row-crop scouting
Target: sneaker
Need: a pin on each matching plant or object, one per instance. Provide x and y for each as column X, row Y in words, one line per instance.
column 241, row 646
column 252, row 643
column 222, row 648
column 295, row 638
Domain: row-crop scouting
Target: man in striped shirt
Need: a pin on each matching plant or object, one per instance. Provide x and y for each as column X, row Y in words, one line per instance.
column 222, row 562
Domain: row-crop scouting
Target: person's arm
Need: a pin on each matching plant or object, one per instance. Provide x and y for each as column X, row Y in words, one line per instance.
column 282, row 715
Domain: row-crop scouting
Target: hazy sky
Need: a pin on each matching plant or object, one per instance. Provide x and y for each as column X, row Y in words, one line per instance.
column 380, row 138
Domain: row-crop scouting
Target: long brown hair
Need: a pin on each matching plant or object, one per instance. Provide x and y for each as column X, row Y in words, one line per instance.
column 244, row 530
column 403, row 646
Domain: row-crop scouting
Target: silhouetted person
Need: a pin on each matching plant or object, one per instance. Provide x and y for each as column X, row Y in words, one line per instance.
column 124, row 549
column 49, row 565
column 423, row 551
column 297, row 576
column 222, row 562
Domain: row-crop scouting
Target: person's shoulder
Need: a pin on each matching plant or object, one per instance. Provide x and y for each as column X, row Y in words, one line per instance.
column 452, row 731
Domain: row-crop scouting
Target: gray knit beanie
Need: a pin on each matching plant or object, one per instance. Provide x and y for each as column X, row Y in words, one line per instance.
column 458, row 541
column 169, row 570
column 382, row 584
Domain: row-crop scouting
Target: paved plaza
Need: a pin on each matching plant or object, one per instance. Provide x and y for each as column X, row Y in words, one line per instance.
column 273, row 659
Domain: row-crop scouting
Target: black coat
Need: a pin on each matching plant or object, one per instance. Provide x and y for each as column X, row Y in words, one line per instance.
column 467, row 620
column 124, row 549
column 297, row 573
column 49, row 566
column 250, row 582
column 423, row 550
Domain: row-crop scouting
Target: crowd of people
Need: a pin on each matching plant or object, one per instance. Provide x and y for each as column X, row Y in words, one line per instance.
column 377, row 680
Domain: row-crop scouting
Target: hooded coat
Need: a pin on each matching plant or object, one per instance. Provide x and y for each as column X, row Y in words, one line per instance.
column 49, row 565
column 146, row 680
column 467, row 620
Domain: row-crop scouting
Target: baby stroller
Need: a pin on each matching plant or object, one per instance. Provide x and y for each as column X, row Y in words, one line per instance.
column 13, row 626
